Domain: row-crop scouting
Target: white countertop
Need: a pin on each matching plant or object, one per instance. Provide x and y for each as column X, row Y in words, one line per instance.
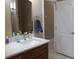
column 14, row 48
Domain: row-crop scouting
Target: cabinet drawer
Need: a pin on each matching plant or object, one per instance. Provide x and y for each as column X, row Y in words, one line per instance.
column 39, row 50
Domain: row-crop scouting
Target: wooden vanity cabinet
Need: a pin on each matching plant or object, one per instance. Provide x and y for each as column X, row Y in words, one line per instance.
column 40, row 52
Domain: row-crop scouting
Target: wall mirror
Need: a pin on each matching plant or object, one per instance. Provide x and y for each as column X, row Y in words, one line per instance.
column 21, row 16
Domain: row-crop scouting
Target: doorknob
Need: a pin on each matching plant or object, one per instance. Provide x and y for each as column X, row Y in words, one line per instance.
column 73, row 33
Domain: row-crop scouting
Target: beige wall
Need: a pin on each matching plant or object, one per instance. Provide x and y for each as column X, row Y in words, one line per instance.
column 37, row 8
column 8, row 28
column 49, row 19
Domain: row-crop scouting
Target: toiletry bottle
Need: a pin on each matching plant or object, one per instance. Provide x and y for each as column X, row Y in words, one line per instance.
column 7, row 40
column 18, row 37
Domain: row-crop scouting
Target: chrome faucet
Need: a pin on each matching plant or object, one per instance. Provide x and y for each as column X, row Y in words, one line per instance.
column 25, row 35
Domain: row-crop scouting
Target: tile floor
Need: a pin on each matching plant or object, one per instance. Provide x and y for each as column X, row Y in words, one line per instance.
column 53, row 54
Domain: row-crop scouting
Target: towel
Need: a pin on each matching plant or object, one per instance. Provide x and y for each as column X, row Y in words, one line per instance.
column 37, row 25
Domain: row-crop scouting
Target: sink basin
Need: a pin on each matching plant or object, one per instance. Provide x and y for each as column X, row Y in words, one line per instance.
column 30, row 41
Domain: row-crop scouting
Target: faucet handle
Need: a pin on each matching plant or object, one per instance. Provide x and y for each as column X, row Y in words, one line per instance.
column 25, row 33
column 30, row 35
column 20, row 33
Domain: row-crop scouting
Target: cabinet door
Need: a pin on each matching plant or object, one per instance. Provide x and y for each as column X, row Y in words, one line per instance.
column 42, row 56
column 20, row 56
column 39, row 52
column 24, row 56
column 17, row 57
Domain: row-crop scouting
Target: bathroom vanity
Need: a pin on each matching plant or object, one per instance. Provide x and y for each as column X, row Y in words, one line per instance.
column 38, row 49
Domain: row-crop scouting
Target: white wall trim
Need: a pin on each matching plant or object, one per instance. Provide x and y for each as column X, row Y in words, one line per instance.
column 43, row 18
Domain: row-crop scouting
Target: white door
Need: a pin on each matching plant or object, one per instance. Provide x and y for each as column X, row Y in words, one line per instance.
column 64, row 28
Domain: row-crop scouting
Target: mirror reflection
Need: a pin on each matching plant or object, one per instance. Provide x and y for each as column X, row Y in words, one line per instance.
column 24, row 16
column 21, row 16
